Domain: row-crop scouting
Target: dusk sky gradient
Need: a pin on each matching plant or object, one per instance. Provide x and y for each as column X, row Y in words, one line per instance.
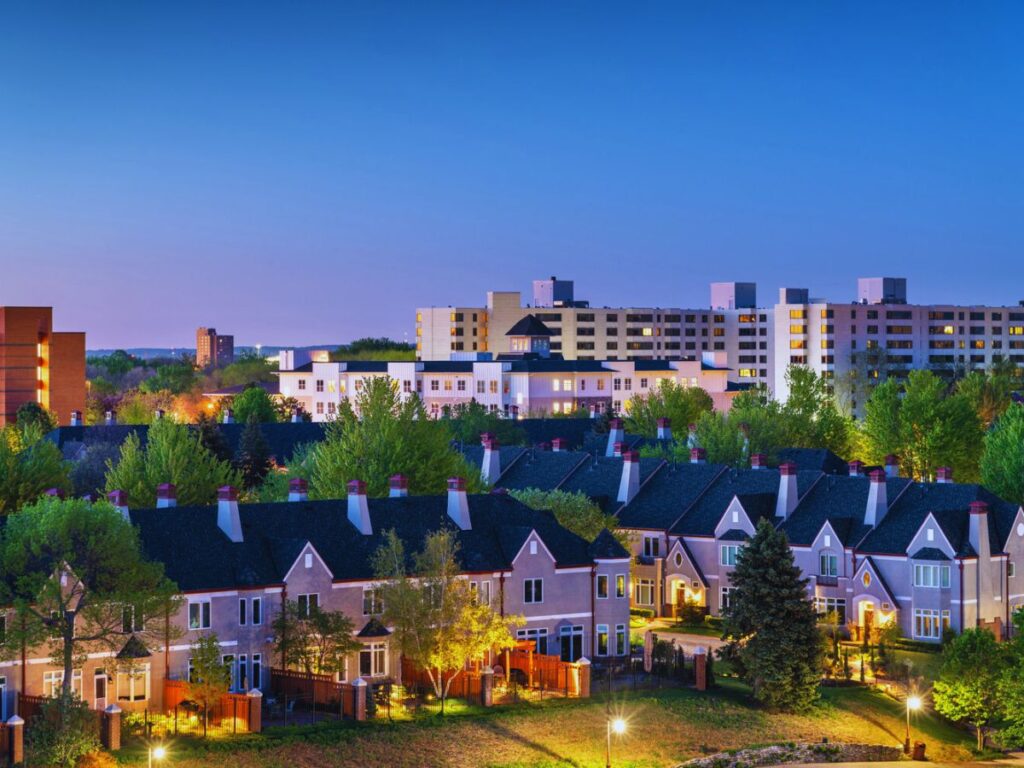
column 297, row 173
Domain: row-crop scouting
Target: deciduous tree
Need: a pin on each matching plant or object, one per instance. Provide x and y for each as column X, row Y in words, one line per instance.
column 1002, row 462
column 968, row 686
column 682, row 404
column 210, row 677
column 574, row 511
column 29, row 466
column 312, row 639
column 254, row 402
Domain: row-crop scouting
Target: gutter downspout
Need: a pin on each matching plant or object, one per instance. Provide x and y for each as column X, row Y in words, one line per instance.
column 593, row 610
column 501, row 589
column 961, row 566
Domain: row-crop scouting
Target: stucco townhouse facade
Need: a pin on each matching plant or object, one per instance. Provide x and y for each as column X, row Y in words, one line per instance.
column 236, row 563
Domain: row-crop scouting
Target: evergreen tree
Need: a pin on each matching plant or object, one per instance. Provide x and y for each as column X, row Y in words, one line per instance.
column 253, row 459
column 212, row 438
column 772, row 624
column 1002, row 463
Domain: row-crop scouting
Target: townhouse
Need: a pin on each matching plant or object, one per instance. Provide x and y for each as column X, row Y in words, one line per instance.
column 874, row 546
column 236, row 563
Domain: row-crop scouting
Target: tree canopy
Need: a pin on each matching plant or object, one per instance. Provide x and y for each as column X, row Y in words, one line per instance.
column 29, row 466
column 574, row 511
column 682, row 404
column 467, row 421
column 968, row 686
column 254, row 402
column 1002, row 461
column 313, row 640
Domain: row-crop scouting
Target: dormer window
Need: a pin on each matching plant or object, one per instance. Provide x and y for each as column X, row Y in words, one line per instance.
column 930, row 533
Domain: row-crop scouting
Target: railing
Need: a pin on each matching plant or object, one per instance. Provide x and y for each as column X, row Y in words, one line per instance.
column 646, row 559
column 827, row 581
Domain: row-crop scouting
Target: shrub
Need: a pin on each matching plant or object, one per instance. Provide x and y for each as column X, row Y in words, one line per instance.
column 62, row 733
column 642, row 613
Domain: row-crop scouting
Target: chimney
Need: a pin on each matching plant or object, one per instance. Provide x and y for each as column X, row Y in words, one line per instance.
column 227, row 513
column 158, row 414
column 399, row 486
column 787, row 499
column 55, row 492
column 758, row 461
column 296, row 415
column 108, row 419
column 76, row 419
column 664, row 428
column 691, row 436
column 358, row 509
column 978, row 536
column 892, row 465
column 698, row 456
column 615, row 435
column 630, row 482
column 558, row 444
column 515, row 411
column 166, row 495
column 545, row 446
column 944, row 475
column 458, row 503
column 92, row 498
column 120, row 501
column 491, row 469
column 298, row 489
column 878, row 503
column 593, row 410
column 617, row 449
column 855, row 468
column 228, row 416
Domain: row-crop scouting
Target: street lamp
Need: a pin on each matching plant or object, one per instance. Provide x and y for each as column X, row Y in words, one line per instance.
column 157, row 753
column 913, row 704
column 617, row 726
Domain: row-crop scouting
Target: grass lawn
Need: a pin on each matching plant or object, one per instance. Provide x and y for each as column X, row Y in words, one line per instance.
column 665, row 728
column 695, row 629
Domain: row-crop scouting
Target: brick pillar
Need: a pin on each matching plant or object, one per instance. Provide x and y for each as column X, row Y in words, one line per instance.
column 487, row 687
column 111, row 736
column 700, row 668
column 359, row 691
column 583, row 667
column 16, row 726
column 255, row 710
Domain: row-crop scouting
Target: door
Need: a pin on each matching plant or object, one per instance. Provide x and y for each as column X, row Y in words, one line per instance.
column 867, row 619
column 100, row 689
column 572, row 643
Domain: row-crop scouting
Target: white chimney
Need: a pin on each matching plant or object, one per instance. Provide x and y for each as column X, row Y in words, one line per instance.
column 878, row 503
column 358, row 509
column 76, row 419
column 944, row 475
column 758, row 461
column 228, row 416
column 691, row 436
column 617, row 449
column 892, row 465
column 166, row 496
column 120, row 501
column 616, row 434
column 629, row 485
column 458, row 503
column 664, row 429
column 558, row 444
column 593, row 410
column 296, row 415
column 399, row 486
column 228, row 519
column 978, row 536
column 787, row 499
column 855, row 468
column 108, row 419
column 491, row 469
column 298, row 489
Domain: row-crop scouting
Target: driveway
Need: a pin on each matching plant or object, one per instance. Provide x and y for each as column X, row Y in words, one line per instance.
column 661, row 627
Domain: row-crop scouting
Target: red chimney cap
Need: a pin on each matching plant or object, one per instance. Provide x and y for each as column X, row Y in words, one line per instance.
column 758, row 460
column 787, row 468
column 692, row 427
column 486, row 436
column 697, row 453
column 944, row 472
column 297, row 484
column 615, row 423
column 664, row 421
column 630, row 456
column 456, row 483
column 398, row 481
column 55, row 492
column 892, row 458
column 227, row 493
column 356, row 488
column 979, row 507
column 877, row 475
column 167, row 491
column 118, row 498
column 856, row 463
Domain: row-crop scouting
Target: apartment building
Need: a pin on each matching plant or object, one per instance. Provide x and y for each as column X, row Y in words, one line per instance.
column 214, row 350
column 242, row 560
column 879, row 336
column 731, row 325
column 39, row 365
column 876, row 547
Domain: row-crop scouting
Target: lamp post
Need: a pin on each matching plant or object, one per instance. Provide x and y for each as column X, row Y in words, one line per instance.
column 913, row 704
column 618, row 726
column 157, row 753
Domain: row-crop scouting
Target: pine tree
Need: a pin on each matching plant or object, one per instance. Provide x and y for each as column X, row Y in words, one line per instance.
column 253, row 459
column 211, row 437
column 773, row 624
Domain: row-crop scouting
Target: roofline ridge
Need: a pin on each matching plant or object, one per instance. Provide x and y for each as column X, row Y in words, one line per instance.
column 807, row 493
column 587, row 456
column 639, row 490
column 704, row 490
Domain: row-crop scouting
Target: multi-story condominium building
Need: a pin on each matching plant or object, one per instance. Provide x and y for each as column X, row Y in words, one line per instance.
column 213, row 349
column 521, row 384
column 243, row 560
column 857, row 344
column 731, row 325
column 876, row 547
column 39, row 365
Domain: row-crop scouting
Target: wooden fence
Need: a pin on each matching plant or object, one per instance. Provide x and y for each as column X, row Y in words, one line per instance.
column 314, row 690
column 544, row 671
column 466, row 686
column 231, row 711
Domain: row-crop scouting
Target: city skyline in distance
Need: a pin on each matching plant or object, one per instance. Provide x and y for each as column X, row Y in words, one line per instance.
column 156, row 178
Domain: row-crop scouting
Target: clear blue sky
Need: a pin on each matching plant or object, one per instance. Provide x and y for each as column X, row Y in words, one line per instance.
column 301, row 172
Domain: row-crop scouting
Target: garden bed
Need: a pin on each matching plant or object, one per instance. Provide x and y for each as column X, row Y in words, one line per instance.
column 791, row 754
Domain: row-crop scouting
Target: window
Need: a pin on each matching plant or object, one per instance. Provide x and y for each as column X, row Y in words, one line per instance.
column 929, row 623
column 652, row 546
column 372, row 603
column 482, row 592
column 320, row 408
column 133, row 684
column 645, row 591
column 620, row 640
column 406, row 386
column 447, row 385
column 256, row 615
column 319, row 385
column 620, row 585
column 308, row 603
column 373, row 660
column 729, row 552
column 533, row 591
column 602, row 586
column 828, row 564
column 538, row 636
column 1011, row 571
column 572, row 642
column 243, row 613
column 493, row 387
column 256, row 681
column 480, row 387
column 435, row 385
column 302, row 383
column 827, row 605
column 602, row 639
column 199, row 614
column 228, row 661
column 53, row 681
column 931, row 576
column 726, row 600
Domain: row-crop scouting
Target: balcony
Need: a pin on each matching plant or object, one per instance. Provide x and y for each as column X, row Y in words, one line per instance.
column 646, row 559
column 827, row 581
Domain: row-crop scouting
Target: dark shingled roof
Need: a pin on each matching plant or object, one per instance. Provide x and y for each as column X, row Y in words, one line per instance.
column 817, row 459
column 734, row 534
column 373, row 628
column 929, row 553
column 607, row 547
column 600, row 477
column 134, row 649
column 198, row 556
column 573, row 431
column 543, row 470
column 839, row 500
column 667, row 495
column 529, row 326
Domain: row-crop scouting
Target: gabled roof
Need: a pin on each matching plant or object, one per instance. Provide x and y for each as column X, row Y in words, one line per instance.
column 373, row 628
column 929, row 553
column 543, row 470
column 134, row 649
column 599, row 478
column 607, row 547
column 529, row 326
column 667, row 495
column 869, row 563
column 681, row 543
column 817, row 459
column 839, row 500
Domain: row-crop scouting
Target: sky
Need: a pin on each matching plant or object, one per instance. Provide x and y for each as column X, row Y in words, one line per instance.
column 300, row 172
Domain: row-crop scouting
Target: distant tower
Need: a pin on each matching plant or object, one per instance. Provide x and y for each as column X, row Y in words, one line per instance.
column 213, row 351
column 529, row 337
